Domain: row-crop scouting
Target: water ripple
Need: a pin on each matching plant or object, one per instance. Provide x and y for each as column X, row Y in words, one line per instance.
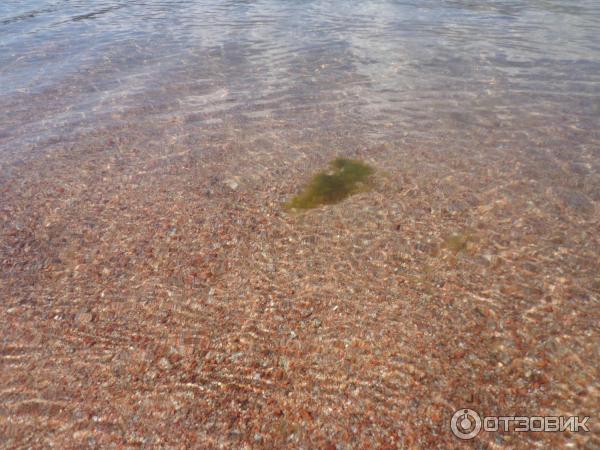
column 71, row 64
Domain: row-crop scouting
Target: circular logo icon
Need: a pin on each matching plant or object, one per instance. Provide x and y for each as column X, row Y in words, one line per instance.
column 465, row 424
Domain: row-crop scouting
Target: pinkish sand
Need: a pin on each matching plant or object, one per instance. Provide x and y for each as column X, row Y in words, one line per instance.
column 161, row 295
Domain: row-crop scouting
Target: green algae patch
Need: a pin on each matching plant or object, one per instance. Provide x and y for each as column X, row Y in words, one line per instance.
column 456, row 243
column 346, row 177
column 460, row 242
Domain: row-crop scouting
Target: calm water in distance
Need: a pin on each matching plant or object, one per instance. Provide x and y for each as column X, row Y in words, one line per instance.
column 416, row 65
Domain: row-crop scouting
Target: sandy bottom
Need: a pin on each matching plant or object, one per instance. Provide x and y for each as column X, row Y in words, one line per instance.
column 155, row 292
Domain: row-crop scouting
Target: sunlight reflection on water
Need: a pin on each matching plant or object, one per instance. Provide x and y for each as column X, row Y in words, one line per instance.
column 403, row 65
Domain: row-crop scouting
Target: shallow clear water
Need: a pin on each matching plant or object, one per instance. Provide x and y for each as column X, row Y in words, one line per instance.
column 155, row 290
column 374, row 69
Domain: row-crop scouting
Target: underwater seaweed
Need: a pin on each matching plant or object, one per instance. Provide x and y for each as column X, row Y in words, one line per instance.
column 347, row 177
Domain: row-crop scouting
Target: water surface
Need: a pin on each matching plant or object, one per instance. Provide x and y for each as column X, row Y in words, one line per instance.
column 375, row 69
column 156, row 292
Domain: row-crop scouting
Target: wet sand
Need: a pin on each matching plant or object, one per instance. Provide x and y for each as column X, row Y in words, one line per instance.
column 159, row 293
